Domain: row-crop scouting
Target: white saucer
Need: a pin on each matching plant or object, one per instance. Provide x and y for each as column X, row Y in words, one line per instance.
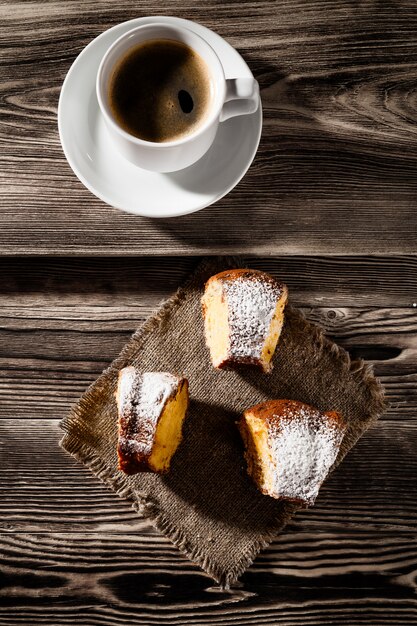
column 109, row 176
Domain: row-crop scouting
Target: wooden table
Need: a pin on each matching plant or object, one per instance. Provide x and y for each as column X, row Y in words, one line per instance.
column 330, row 205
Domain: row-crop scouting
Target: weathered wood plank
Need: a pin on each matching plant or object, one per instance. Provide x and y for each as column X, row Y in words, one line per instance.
column 335, row 172
column 384, row 281
column 302, row 578
column 44, row 489
column 49, row 355
column 62, row 321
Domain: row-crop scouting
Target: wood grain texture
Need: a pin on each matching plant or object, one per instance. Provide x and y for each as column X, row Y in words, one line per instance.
column 335, row 172
column 304, row 578
column 48, row 357
column 325, row 281
column 62, row 322
column 369, row 493
column 73, row 552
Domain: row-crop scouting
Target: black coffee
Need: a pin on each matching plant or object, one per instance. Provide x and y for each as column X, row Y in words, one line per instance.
column 160, row 91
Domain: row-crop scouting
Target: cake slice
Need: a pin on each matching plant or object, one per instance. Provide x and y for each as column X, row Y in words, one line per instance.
column 152, row 408
column 243, row 316
column 290, row 447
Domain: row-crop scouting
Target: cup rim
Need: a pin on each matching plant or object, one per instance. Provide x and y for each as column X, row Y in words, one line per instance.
column 143, row 142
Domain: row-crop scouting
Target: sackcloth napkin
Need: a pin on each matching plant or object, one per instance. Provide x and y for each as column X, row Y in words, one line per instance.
column 207, row 504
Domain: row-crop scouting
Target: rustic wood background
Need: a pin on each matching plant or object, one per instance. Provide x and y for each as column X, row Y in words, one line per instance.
column 72, row 552
column 339, row 146
column 336, row 174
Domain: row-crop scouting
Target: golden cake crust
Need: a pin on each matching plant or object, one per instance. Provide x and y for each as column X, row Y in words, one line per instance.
column 290, row 447
column 253, row 311
column 138, row 416
column 248, row 274
column 271, row 411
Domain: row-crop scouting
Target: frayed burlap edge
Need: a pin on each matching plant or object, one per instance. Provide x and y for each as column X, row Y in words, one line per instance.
column 361, row 371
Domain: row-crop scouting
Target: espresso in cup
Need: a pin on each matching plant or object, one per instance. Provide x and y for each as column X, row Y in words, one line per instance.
column 160, row 91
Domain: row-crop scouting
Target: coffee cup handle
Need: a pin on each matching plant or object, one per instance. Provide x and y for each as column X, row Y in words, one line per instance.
column 242, row 97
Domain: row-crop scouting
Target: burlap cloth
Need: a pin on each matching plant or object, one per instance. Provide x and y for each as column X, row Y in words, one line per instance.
column 207, row 505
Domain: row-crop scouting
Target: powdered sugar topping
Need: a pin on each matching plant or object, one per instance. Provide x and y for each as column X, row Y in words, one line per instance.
column 142, row 398
column 251, row 305
column 304, row 445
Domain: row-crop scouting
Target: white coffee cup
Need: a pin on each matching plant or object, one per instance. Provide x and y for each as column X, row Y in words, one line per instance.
column 230, row 97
